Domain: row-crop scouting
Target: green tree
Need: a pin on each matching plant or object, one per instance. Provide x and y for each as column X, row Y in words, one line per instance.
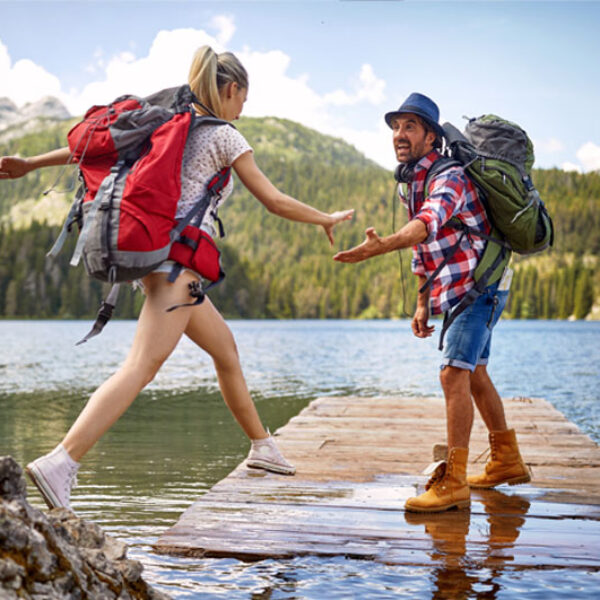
column 584, row 294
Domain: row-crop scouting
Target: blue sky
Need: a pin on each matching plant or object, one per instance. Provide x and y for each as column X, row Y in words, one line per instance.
column 334, row 66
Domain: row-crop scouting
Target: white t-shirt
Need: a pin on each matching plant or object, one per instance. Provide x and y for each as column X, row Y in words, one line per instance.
column 209, row 148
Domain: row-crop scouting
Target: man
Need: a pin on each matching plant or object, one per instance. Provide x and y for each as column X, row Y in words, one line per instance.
column 416, row 137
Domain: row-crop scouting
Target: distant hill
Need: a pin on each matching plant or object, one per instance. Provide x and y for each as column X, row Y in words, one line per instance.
column 33, row 116
column 279, row 269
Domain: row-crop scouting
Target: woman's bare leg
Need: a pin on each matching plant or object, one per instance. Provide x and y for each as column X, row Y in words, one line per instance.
column 207, row 328
column 156, row 336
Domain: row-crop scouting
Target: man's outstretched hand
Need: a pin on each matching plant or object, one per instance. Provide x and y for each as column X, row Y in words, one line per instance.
column 372, row 246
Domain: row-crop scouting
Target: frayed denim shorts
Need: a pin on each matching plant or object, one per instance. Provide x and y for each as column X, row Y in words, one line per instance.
column 164, row 267
column 469, row 338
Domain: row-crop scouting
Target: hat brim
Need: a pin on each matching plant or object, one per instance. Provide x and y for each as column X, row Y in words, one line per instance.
column 389, row 117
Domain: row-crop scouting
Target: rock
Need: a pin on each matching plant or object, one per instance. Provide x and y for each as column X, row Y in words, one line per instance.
column 58, row 555
column 12, row 482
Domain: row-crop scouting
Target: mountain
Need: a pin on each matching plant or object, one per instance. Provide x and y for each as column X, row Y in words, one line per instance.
column 279, row 269
column 15, row 122
column 9, row 113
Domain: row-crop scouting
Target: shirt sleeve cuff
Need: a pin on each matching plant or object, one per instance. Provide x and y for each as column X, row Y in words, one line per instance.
column 430, row 221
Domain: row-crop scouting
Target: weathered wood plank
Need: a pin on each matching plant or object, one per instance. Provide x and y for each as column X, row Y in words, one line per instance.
column 358, row 460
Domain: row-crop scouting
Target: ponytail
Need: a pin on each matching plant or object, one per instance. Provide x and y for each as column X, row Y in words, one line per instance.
column 209, row 72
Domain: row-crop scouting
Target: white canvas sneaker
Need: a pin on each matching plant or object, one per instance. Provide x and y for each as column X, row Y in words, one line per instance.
column 54, row 475
column 264, row 454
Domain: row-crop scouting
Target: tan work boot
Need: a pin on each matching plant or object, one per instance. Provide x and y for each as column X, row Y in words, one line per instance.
column 447, row 487
column 505, row 464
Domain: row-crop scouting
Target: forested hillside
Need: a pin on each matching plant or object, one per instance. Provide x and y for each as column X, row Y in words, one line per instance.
column 279, row 269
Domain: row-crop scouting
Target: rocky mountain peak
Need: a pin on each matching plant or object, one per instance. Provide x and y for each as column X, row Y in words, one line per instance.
column 48, row 107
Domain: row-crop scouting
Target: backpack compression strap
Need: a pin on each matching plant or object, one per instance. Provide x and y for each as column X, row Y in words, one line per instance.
column 214, row 188
column 104, row 314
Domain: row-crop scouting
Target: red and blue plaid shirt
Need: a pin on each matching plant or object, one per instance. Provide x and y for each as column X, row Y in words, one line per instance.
column 450, row 194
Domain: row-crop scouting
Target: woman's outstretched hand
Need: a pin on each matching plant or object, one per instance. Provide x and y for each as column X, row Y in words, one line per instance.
column 334, row 219
column 12, row 167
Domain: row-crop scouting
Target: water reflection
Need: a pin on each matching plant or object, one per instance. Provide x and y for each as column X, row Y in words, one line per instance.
column 469, row 566
column 178, row 440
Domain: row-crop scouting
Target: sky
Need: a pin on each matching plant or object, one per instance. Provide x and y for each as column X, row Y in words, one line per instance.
column 334, row 66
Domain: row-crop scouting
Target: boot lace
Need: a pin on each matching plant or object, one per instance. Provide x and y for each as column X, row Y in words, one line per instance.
column 437, row 475
column 485, row 454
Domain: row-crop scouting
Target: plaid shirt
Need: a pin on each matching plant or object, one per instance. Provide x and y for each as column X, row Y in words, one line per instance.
column 450, row 194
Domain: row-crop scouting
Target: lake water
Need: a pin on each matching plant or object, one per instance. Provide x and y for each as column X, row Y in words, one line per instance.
column 178, row 439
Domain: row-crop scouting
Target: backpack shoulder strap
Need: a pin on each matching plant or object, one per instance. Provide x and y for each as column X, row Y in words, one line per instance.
column 201, row 120
column 438, row 167
column 209, row 120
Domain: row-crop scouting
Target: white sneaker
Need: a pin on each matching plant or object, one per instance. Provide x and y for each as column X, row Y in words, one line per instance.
column 54, row 475
column 264, row 454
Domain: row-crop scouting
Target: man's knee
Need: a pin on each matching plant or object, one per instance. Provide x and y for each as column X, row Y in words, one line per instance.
column 480, row 380
column 453, row 378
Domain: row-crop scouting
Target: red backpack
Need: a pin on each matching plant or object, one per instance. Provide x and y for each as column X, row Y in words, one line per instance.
column 130, row 156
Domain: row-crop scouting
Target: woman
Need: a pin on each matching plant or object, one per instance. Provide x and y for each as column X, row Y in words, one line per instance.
column 220, row 83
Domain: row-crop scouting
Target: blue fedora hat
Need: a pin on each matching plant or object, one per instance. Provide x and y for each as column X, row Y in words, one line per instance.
column 422, row 106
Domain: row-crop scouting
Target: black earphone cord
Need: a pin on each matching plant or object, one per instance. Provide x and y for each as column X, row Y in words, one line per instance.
column 394, row 203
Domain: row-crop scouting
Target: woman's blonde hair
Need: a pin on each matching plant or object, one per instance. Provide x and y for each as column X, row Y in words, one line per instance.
column 209, row 72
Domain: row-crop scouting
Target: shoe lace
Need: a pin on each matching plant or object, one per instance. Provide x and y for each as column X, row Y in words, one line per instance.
column 276, row 454
column 71, row 480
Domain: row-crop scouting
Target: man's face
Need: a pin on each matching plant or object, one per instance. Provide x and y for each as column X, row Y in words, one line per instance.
column 411, row 140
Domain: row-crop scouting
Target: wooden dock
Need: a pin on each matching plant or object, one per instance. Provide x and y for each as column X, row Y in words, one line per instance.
column 358, row 459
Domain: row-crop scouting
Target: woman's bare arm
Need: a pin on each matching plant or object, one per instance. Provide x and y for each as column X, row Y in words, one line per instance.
column 12, row 167
column 281, row 204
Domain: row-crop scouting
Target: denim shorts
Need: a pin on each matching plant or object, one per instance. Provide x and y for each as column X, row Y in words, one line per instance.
column 164, row 267
column 469, row 338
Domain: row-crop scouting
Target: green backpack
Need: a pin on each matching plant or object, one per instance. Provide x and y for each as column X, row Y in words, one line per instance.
column 497, row 155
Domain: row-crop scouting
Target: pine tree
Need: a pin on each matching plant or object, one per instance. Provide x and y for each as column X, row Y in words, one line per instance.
column 584, row 294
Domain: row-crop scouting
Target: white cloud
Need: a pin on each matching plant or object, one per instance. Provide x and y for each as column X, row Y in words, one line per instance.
column 273, row 91
column 225, row 27
column 367, row 88
column 97, row 64
column 375, row 143
column 569, row 166
column 550, row 145
column 24, row 81
column 589, row 156
column 166, row 64
column 373, row 88
column 4, row 59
